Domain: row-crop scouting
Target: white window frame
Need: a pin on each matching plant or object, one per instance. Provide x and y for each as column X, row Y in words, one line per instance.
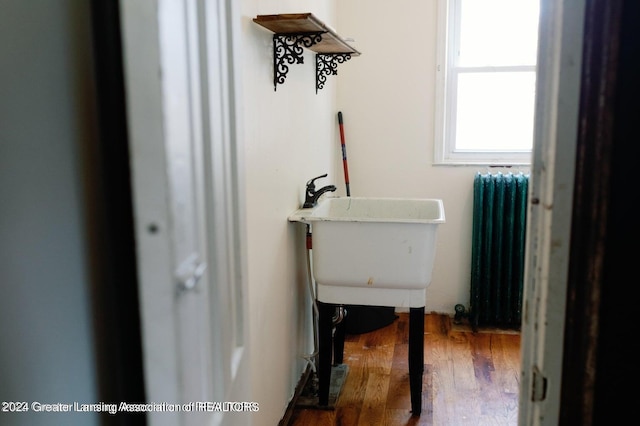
column 448, row 20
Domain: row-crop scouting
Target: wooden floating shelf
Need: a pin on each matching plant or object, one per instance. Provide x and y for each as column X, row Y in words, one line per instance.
column 295, row 31
column 300, row 23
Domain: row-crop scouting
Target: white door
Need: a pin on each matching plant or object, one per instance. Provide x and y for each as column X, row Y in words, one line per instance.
column 183, row 134
column 551, row 203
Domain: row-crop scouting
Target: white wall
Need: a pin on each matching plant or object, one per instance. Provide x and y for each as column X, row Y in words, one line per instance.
column 387, row 99
column 46, row 109
column 289, row 138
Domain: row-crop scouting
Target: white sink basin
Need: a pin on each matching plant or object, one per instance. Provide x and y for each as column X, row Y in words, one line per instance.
column 367, row 249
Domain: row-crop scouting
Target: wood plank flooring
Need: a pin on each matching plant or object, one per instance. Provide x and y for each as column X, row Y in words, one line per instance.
column 469, row 378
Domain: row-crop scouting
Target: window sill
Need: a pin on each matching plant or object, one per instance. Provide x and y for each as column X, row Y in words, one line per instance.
column 462, row 163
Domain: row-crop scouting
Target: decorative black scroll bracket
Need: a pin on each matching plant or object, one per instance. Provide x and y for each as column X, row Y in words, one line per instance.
column 327, row 64
column 287, row 50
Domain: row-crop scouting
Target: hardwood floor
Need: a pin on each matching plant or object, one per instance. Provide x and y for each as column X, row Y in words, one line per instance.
column 469, row 378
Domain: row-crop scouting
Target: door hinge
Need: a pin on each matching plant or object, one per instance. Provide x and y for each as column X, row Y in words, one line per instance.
column 539, row 386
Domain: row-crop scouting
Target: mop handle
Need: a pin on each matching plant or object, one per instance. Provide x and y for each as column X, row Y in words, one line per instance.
column 344, row 154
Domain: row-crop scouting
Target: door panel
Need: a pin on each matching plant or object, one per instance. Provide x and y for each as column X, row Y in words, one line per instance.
column 187, row 204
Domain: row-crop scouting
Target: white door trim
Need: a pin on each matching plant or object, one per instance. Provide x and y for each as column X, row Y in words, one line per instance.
column 209, row 33
column 550, row 211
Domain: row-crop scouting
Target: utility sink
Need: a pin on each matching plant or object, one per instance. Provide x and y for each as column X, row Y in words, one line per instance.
column 373, row 251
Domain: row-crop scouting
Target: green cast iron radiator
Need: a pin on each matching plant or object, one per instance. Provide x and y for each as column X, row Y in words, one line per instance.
column 499, row 231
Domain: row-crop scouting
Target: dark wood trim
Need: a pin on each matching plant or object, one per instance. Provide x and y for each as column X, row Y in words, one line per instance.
column 116, row 304
column 604, row 190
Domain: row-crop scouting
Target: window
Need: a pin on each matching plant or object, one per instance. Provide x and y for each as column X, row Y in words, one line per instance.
column 487, row 51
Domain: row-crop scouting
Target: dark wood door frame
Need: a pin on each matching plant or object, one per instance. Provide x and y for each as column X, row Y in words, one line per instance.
column 599, row 315
column 116, row 303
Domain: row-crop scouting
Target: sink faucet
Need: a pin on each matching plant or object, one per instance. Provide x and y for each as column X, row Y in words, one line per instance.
column 311, row 198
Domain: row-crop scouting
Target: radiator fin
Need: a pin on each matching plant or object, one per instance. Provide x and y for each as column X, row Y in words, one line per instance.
column 497, row 267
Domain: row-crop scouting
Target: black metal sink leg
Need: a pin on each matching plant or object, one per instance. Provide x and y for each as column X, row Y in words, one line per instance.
column 416, row 358
column 325, row 325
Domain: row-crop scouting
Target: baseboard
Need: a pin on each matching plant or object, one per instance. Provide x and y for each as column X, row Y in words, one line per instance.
column 288, row 414
column 309, row 396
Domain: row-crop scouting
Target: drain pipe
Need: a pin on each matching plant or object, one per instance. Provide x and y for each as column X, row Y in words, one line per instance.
column 341, row 312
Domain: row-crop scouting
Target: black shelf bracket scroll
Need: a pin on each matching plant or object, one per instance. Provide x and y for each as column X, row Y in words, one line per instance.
column 287, row 50
column 292, row 33
column 327, row 64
